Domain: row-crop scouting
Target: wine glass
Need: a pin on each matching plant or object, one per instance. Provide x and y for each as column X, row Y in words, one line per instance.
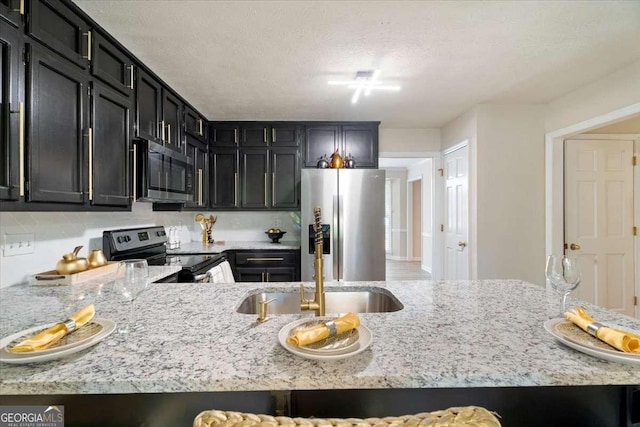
column 132, row 279
column 564, row 275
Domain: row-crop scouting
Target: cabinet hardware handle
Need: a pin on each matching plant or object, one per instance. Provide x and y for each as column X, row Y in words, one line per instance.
column 273, row 135
column 268, row 276
column 88, row 56
column 266, row 259
column 20, row 112
column 264, row 134
column 199, row 187
column 169, row 132
column 235, row 189
column 262, row 276
column 273, row 187
column 166, row 181
column 90, row 137
column 131, row 76
column 200, row 132
column 265, row 190
column 20, row 8
column 162, row 124
column 235, row 136
column 133, row 198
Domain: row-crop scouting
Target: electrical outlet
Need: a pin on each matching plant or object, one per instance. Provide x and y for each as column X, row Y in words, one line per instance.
column 277, row 223
column 19, row 244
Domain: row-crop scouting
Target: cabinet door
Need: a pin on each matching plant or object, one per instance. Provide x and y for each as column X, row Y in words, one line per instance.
column 52, row 23
column 109, row 147
column 194, row 124
column 284, row 135
column 223, row 178
column 112, row 66
column 148, row 96
column 254, row 135
column 321, row 140
column 361, row 142
column 57, row 109
column 254, row 167
column 172, row 120
column 280, row 274
column 11, row 111
column 250, row 274
column 224, row 134
column 198, row 152
column 285, row 178
column 12, row 11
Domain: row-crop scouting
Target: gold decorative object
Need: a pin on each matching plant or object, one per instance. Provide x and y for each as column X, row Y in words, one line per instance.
column 336, row 161
column 206, row 224
column 70, row 263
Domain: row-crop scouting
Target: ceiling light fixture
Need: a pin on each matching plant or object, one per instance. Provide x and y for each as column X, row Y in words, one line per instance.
column 365, row 82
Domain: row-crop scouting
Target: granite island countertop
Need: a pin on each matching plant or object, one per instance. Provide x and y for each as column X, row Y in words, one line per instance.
column 227, row 245
column 449, row 334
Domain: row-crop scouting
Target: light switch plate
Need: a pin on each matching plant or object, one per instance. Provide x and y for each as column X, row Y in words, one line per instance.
column 19, row 244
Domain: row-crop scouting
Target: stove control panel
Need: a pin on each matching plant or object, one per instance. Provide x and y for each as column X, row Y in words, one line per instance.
column 119, row 241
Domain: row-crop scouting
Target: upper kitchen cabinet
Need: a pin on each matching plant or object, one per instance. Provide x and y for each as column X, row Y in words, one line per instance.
column 254, row 135
column 57, row 105
column 109, row 147
column 223, row 178
column 198, row 152
column 194, row 124
column 357, row 139
column 148, row 107
column 111, row 65
column 285, row 178
column 224, row 134
column 269, row 134
column 12, row 11
column 12, row 111
column 171, row 121
column 55, row 25
column 286, row 135
column 254, row 179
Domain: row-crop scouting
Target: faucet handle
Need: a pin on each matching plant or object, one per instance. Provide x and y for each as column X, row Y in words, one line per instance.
column 262, row 314
column 302, row 298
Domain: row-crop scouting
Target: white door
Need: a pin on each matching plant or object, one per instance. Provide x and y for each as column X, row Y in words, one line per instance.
column 456, row 226
column 599, row 220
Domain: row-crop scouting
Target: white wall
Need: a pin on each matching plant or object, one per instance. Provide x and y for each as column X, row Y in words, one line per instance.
column 629, row 126
column 59, row 232
column 424, row 170
column 398, row 179
column 408, row 140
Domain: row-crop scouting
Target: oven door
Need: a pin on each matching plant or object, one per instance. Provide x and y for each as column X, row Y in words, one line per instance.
column 164, row 175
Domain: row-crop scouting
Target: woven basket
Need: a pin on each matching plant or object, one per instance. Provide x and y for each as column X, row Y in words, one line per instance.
column 465, row 416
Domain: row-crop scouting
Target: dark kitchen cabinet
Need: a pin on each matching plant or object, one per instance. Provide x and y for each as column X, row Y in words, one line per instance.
column 109, row 147
column 224, row 135
column 57, row 101
column 148, row 106
column 194, row 124
column 12, row 111
column 359, row 140
column 254, row 178
column 254, row 135
column 58, row 27
column 269, row 135
column 198, row 152
column 285, row 178
column 111, row 65
column 266, row 266
column 172, row 121
column 286, row 135
column 12, row 11
column 223, row 178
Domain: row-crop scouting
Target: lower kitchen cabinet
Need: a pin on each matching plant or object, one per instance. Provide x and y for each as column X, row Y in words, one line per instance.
column 266, row 266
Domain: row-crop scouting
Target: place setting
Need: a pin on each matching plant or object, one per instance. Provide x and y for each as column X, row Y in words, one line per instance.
column 326, row 337
column 576, row 329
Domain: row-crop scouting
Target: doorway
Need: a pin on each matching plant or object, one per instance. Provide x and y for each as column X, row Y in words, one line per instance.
column 415, row 220
column 456, row 212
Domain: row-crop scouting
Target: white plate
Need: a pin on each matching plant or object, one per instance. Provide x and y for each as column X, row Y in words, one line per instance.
column 364, row 339
column 107, row 327
column 347, row 344
column 588, row 344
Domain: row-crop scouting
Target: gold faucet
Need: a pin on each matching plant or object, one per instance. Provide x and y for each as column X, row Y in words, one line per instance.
column 317, row 303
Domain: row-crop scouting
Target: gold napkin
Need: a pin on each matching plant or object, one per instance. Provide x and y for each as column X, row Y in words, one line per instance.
column 52, row 335
column 319, row 332
column 622, row 340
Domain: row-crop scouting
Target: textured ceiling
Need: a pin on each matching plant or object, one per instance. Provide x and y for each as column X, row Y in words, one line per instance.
column 271, row 60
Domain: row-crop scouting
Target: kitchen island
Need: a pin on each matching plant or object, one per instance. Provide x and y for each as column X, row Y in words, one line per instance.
column 453, row 343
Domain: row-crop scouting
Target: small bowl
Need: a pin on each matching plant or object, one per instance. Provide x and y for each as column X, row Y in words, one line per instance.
column 275, row 237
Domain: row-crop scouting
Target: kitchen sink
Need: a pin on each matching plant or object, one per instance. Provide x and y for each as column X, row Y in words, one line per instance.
column 373, row 300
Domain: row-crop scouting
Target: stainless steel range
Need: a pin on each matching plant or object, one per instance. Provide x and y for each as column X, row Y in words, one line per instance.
column 150, row 243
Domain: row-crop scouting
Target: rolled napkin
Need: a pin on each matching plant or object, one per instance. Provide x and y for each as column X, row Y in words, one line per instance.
column 621, row 340
column 324, row 330
column 52, row 335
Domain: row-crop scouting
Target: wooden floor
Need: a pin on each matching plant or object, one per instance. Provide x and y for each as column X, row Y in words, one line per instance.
column 406, row 270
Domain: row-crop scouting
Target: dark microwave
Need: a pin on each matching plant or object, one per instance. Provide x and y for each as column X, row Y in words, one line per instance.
column 162, row 174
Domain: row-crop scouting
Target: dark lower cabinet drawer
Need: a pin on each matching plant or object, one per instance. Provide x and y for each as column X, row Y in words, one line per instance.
column 265, row 266
column 270, row 274
column 266, row 258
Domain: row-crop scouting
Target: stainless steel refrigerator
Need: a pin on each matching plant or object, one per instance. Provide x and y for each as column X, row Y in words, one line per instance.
column 352, row 204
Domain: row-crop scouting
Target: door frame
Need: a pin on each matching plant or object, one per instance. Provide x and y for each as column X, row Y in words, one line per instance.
column 410, row 231
column 554, row 181
column 437, row 260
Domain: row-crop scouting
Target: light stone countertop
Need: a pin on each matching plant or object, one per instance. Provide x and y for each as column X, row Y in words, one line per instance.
column 449, row 334
column 217, row 247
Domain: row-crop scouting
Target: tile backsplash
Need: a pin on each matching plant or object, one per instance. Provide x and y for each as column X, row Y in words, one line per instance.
column 57, row 233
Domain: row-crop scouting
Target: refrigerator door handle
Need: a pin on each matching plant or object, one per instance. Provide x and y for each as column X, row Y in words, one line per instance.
column 336, row 238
